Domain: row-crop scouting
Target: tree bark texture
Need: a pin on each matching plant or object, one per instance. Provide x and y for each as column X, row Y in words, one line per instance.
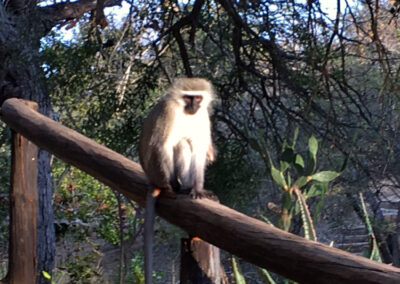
column 24, row 199
column 21, row 76
column 253, row 240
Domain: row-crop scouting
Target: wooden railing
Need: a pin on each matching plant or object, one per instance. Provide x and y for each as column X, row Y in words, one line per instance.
column 261, row 244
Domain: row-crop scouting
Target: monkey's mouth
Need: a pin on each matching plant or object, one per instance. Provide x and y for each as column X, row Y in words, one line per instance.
column 190, row 109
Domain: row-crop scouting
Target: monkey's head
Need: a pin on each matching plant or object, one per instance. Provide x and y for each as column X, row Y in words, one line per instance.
column 192, row 93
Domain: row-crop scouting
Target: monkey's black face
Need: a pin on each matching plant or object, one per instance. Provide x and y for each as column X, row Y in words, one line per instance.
column 192, row 103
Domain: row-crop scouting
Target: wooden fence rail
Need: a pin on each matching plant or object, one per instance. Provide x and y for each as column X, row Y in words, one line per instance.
column 261, row 244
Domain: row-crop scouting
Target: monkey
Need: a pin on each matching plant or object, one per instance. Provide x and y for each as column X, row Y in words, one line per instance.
column 174, row 148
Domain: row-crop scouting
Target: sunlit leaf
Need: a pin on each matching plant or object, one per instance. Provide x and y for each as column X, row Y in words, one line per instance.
column 265, row 276
column 313, row 146
column 237, row 273
column 46, row 275
column 325, row 176
column 278, row 177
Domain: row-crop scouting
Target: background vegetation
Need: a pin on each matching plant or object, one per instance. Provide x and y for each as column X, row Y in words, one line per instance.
column 283, row 71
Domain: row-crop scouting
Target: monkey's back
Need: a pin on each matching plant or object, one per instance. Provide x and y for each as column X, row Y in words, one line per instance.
column 155, row 162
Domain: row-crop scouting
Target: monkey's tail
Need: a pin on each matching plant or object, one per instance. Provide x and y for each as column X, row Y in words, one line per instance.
column 149, row 218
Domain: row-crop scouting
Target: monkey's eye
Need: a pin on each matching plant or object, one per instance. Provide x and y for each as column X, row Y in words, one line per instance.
column 198, row 98
column 187, row 98
column 190, row 98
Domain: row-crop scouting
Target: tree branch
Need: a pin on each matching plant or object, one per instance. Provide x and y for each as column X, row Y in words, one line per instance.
column 183, row 52
column 66, row 11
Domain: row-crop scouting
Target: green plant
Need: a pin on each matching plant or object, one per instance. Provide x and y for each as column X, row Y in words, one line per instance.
column 237, row 273
column 307, row 183
column 137, row 273
column 82, row 269
column 373, row 252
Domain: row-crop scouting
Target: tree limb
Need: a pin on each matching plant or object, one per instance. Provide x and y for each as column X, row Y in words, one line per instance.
column 66, row 11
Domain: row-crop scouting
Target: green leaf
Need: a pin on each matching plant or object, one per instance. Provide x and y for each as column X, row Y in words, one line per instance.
column 278, row 177
column 238, row 275
column 322, row 187
column 313, row 147
column 266, row 220
column 316, row 189
column 301, row 181
column 286, row 213
column 286, row 158
column 374, row 249
column 325, row 176
column 265, row 276
column 289, row 179
column 299, row 164
column 46, row 275
column 284, row 165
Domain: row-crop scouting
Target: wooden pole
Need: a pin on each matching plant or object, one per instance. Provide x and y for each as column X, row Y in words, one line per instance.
column 253, row 240
column 23, row 196
column 200, row 263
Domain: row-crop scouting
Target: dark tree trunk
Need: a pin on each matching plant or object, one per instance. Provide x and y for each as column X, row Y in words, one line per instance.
column 21, row 76
column 45, row 219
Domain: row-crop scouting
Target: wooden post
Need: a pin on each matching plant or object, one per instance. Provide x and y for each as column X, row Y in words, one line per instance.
column 200, row 263
column 23, row 205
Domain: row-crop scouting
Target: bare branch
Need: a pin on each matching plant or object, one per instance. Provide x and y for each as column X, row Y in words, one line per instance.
column 66, row 11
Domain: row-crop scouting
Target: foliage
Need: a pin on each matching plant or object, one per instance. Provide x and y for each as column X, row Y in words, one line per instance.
column 81, row 270
column 307, row 182
column 278, row 67
column 81, row 199
column 232, row 176
column 137, row 272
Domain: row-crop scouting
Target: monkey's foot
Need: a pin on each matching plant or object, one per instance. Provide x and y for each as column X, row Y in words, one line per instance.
column 202, row 193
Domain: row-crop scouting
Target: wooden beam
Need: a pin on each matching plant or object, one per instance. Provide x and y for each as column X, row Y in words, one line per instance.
column 253, row 240
column 23, row 207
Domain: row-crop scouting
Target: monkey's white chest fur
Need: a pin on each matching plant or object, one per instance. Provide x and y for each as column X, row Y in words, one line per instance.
column 195, row 128
column 192, row 136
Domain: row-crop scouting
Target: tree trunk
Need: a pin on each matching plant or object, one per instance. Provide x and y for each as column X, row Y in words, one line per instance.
column 21, row 76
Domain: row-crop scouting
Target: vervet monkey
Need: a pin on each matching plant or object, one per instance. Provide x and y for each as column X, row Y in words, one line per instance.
column 175, row 146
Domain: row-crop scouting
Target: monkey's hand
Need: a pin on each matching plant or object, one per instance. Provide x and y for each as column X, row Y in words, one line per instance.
column 203, row 193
